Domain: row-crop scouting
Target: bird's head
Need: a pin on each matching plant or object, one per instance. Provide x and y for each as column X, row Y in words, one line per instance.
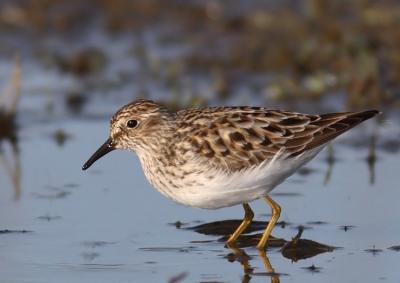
column 137, row 126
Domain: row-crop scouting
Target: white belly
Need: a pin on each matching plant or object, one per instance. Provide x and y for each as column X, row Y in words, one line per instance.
column 216, row 189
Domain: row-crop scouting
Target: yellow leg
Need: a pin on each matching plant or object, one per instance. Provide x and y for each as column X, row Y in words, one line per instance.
column 248, row 217
column 276, row 212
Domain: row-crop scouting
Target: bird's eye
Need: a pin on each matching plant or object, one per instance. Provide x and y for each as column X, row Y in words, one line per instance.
column 132, row 123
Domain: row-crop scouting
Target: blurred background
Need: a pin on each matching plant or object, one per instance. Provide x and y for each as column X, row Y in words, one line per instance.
column 67, row 66
column 193, row 53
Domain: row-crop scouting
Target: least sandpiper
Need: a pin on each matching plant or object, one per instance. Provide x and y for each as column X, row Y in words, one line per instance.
column 216, row 157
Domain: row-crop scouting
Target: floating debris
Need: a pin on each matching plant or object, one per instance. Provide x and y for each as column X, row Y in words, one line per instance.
column 169, row 249
column 71, row 185
column 346, row 227
column 7, row 231
column 75, row 102
column 178, row 278
column 96, row 244
column 178, row 224
column 317, row 223
column 312, row 268
column 60, row 136
column 305, row 171
column 374, row 251
column 89, row 256
column 57, row 195
column 395, row 248
column 49, row 218
column 83, row 62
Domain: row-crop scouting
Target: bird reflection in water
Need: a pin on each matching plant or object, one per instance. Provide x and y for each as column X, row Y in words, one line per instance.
column 294, row 250
column 241, row 256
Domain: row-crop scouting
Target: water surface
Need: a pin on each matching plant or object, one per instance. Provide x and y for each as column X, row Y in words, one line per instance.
column 108, row 224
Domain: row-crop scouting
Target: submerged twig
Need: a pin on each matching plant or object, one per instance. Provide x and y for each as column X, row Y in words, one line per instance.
column 330, row 159
column 371, row 159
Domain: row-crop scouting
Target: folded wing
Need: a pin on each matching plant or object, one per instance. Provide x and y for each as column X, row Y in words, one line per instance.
column 234, row 138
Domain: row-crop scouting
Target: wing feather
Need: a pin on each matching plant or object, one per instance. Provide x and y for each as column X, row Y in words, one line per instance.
column 234, row 138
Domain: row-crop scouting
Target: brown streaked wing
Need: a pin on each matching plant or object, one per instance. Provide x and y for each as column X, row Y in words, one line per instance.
column 334, row 124
column 234, row 138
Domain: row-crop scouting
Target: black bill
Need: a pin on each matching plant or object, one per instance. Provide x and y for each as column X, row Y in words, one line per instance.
column 103, row 150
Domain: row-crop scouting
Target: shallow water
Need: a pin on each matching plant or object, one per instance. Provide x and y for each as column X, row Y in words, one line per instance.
column 108, row 224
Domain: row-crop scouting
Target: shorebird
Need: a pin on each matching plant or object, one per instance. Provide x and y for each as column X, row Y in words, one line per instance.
column 217, row 157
